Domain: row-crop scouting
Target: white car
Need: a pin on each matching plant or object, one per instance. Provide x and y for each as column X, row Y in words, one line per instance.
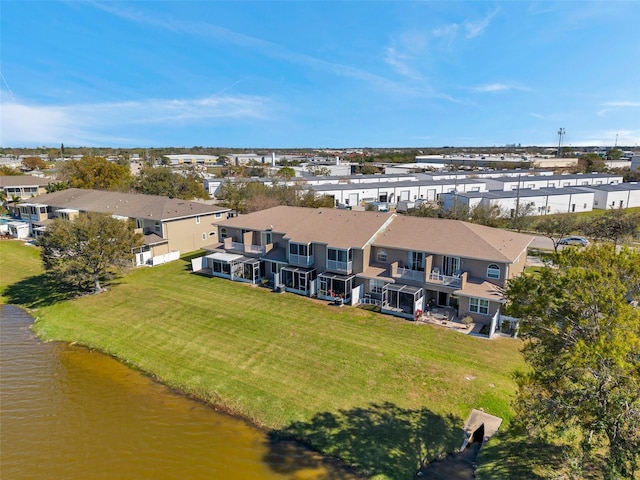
column 580, row 241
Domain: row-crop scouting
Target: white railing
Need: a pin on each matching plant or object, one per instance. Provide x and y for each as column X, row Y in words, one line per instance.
column 254, row 249
column 450, row 280
column 237, row 246
column 370, row 301
column 336, row 266
column 302, row 260
column 409, row 274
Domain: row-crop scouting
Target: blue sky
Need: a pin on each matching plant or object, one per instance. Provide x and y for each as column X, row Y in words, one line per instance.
column 319, row 74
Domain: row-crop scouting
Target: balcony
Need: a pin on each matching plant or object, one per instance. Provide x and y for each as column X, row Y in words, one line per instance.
column 301, row 260
column 340, row 267
column 232, row 246
column 447, row 280
column 408, row 274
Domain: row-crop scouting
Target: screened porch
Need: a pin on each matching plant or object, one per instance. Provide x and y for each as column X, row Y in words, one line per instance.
column 402, row 300
column 299, row 280
column 332, row 286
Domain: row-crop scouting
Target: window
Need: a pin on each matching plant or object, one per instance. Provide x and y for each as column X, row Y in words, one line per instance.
column 204, row 236
column 479, row 305
column 157, row 228
column 382, row 256
column 218, row 215
column 223, row 233
column 416, row 261
column 299, row 249
column 376, row 286
column 339, row 255
column 198, row 219
column 493, row 271
column 212, row 234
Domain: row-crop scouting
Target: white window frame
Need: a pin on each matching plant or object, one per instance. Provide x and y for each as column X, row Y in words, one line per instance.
column 197, row 219
column 479, row 305
column 494, row 271
column 376, row 286
column 382, row 256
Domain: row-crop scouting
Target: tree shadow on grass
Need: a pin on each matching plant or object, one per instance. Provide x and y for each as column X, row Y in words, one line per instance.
column 38, row 291
column 518, row 455
column 380, row 439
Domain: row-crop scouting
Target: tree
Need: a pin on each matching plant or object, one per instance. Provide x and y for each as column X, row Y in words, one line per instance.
column 614, row 154
column 614, row 225
column 286, row 173
column 591, row 162
column 90, row 249
column 582, row 325
column 521, row 216
column 6, row 171
column 233, row 195
column 95, row 173
column 556, row 227
column 489, row 215
column 162, row 181
column 33, row 163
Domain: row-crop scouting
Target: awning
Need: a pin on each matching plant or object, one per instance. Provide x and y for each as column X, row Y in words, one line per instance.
column 396, row 287
column 224, row 257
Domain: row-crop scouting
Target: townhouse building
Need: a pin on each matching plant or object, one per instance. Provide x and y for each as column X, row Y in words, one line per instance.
column 403, row 264
column 23, row 186
column 170, row 226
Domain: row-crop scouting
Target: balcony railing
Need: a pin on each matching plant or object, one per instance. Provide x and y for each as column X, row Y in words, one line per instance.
column 408, row 274
column 302, row 260
column 235, row 246
column 448, row 280
column 341, row 267
column 254, row 249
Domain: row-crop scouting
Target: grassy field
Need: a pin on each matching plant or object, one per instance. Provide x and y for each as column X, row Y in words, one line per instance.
column 378, row 392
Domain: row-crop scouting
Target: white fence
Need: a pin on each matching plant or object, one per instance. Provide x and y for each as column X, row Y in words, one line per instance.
column 167, row 257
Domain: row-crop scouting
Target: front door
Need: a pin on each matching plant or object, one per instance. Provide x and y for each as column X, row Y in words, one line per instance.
column 443, row 299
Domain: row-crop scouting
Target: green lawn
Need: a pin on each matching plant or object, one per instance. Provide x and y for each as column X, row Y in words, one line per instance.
column 379, row 392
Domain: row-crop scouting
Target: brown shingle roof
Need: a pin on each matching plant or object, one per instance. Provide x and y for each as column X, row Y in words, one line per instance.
column 338, row 228
column 153, row 207
column 454, row 238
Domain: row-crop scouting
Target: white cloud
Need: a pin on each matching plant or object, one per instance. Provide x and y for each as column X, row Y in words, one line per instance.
column 80, row 124
column 622, row 104
column 498, row 87
column 476, row 28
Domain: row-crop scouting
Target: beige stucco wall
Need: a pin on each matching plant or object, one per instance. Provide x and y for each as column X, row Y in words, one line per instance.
column 187, row 235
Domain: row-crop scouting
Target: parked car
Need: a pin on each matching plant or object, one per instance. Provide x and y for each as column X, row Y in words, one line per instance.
column 580, row 241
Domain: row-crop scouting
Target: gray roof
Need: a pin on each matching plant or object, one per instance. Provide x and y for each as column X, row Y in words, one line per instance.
column 23, row 181
column 454, row 238
column 338, row 228
column 523, row 192
column 153, row 207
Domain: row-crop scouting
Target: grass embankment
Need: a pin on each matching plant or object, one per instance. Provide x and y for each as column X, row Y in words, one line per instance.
column 379, row 392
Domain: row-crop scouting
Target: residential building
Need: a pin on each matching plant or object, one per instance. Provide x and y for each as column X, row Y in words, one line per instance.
column 404, row 264
column 23, row 186
column 170, row 226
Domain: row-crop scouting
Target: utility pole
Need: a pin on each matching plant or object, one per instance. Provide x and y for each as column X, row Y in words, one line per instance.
column 561, row 132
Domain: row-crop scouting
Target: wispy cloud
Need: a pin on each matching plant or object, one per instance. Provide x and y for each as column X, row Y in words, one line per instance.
column 613, row 106
column 498, row 87
column 79, row 124
column 406, row 51
column 622, row 104
column 398, row 57
column 475, row 28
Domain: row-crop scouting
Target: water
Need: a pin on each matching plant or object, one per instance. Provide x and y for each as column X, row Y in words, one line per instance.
column 67, row 412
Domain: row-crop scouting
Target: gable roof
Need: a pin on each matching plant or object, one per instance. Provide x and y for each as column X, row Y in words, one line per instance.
column 23, row 181
column 133, row 205
column 331, row 226
column 453, row 238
